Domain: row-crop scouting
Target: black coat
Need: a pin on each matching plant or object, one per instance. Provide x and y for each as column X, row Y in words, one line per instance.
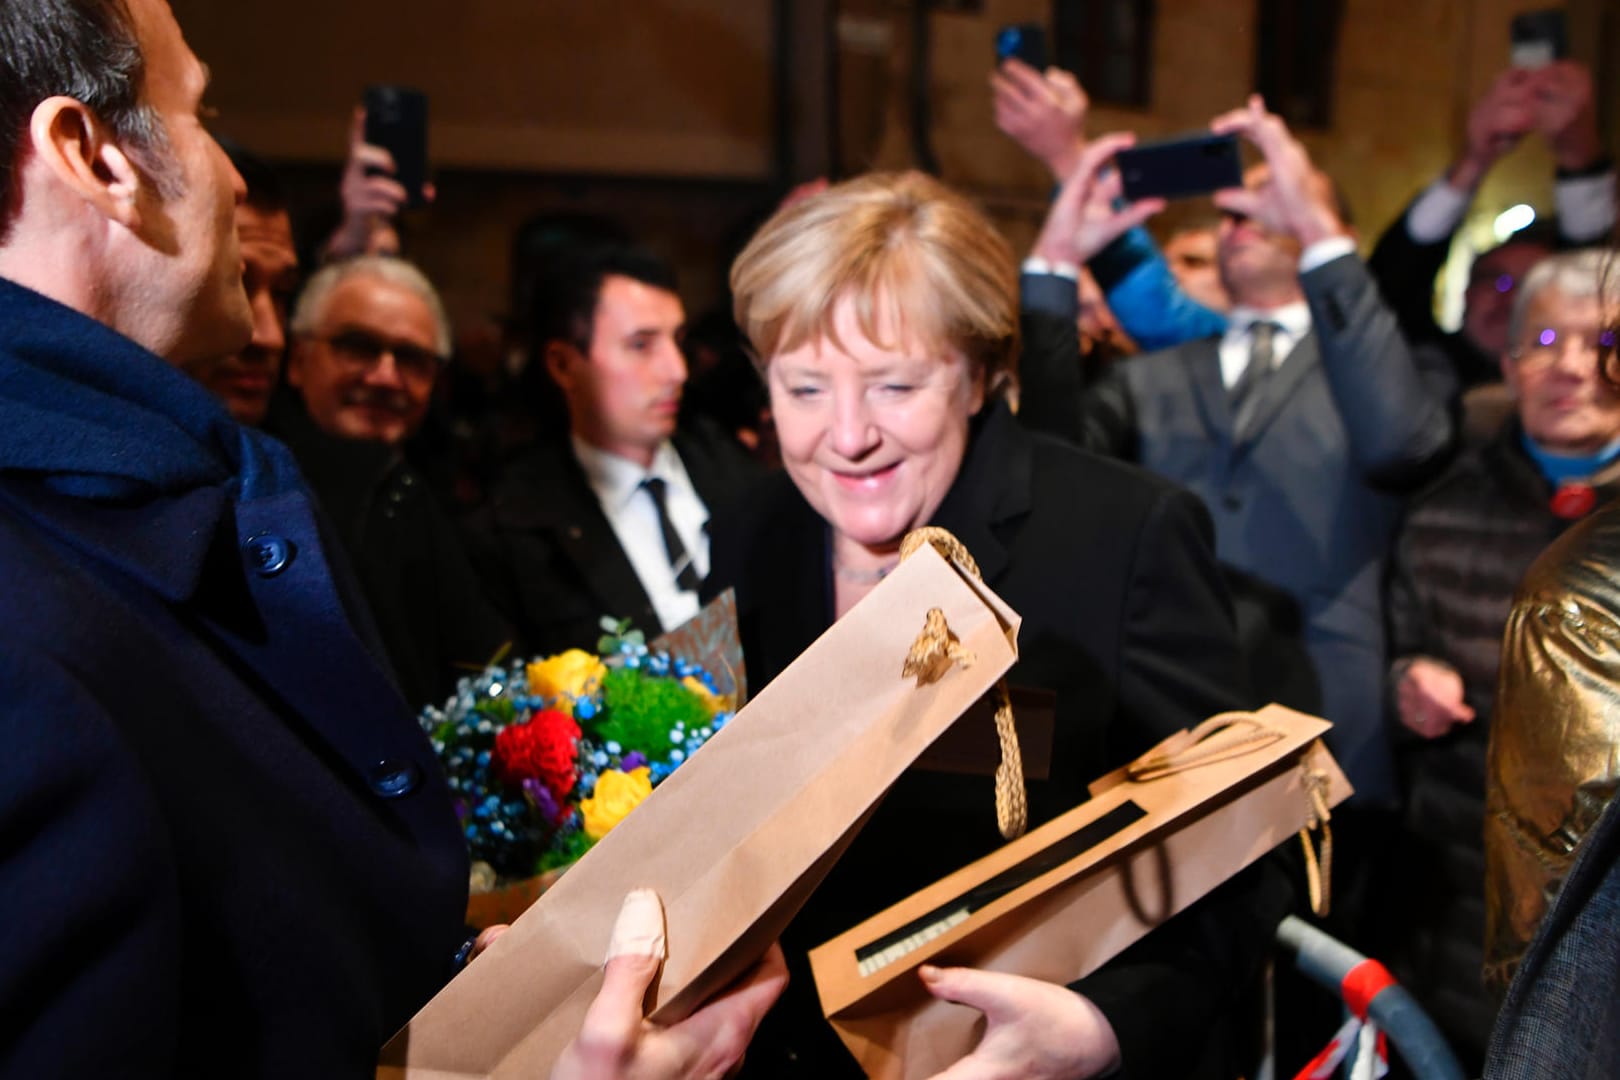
column 549, row 557
column 1125, row 618
column 227, row 848
column 430, row 609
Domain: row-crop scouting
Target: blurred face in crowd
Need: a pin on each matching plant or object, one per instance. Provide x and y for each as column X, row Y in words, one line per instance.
column 245, row 379
column 368, row 368
column 625, row 393
column 1097, row 324
column 189, row 274
column 1564, row 402
column 1259, row 267
column 1493, row 281
column 872, row 435
column 1191, row 254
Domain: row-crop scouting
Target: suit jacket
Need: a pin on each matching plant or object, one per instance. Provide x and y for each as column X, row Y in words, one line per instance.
column 1125, row 619
column 548, row 555
column 1306, row 504
column 229, row 848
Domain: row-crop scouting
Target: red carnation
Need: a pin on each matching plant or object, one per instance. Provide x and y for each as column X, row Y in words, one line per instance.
column 543, row 748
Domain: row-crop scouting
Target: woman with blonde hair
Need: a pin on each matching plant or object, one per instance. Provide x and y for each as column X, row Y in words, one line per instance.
column 884, row 316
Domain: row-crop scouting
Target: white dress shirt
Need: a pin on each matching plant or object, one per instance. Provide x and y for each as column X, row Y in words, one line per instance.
column 1293, row 323
column 1585, row 206
column 631, row 511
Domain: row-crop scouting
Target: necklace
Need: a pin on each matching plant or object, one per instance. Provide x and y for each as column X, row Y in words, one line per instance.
column 863, row 577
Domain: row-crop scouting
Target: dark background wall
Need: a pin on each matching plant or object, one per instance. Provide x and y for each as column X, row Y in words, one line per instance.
column 688, row 118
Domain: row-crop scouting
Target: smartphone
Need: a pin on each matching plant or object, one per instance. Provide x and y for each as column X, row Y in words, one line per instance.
column 1539, row 38
column 1184, row 166
column 1022, row 41
column 396, row 120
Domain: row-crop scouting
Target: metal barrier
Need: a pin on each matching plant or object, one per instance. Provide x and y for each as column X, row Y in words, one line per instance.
column 1370, row 991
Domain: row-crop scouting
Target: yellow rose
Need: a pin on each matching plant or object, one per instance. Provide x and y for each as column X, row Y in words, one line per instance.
column 715, row 702
column 573, row 674
column 617, row 793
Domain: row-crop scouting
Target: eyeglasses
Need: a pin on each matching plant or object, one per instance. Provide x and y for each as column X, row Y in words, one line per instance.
column 360, row 349
column 1551, row 342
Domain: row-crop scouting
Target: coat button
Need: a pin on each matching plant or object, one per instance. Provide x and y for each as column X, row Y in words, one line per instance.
column 269, row 554
column 1231, row 502
column 391, row 779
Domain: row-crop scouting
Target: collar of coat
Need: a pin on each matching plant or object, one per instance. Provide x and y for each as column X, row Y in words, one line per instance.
column 116, row 451
column 95, row 415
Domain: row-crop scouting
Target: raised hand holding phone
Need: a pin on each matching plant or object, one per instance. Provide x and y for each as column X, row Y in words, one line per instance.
column 1292, row 196
column 1044, row 112
column 1083, row 219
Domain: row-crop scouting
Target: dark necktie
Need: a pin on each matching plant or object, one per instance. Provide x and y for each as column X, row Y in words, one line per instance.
column 1247, row 392
column 679, row 561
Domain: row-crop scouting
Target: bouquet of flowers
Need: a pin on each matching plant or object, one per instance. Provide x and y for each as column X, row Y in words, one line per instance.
column 545, row 757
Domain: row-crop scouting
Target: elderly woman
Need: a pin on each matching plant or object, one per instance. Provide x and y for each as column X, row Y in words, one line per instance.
column 884, row 312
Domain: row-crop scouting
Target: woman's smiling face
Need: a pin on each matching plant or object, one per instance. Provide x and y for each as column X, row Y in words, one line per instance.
column 872, row 436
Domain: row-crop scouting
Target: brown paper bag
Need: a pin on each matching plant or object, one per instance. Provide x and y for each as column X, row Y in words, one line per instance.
column 734, row 840
column 1061, row 901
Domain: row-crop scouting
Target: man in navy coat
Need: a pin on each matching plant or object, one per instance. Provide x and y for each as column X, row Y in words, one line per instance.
column 225, row 848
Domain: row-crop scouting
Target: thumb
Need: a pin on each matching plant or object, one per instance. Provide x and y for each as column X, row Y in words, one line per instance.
column 635, row 952
column 982, row 990
column 357, row 126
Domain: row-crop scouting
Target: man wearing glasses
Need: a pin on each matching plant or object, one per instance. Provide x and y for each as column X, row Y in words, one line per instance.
column 369, row 339
column 1466, row 544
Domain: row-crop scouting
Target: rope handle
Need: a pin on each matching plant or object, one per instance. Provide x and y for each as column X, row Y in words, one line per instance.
column 1318, row 864
column 937, row 649
column 1220, row 738
column 1232, row 734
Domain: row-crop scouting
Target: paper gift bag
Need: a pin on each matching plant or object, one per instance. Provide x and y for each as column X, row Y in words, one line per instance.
column 1061, row 901
column 735, row 839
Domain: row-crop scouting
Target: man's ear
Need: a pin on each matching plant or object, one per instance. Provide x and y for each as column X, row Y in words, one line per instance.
column 560, row 358
column 79, row 150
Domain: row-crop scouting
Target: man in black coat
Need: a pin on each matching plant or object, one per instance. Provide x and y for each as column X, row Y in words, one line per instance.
column 370, row 338
column 229, row 850
column 611, row 519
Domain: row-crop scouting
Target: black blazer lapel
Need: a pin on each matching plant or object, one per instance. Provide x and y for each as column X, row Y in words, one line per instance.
column 554, row 498
column 1282, row 386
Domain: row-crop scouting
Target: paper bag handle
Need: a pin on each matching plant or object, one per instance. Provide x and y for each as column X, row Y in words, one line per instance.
column 936, row 643
column 1232, row 734
column 1220, row 738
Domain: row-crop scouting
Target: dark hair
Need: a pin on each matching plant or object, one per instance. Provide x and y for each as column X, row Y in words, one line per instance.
column 264, row 190
column 566, row 286
column 87, row 50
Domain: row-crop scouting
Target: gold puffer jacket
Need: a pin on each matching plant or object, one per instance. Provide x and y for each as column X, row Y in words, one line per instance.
column 1554, row 757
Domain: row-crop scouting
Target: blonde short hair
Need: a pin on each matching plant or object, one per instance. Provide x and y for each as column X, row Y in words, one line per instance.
column 912, row 254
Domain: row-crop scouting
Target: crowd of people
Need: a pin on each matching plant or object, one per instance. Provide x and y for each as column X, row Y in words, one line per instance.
column 1233, row 464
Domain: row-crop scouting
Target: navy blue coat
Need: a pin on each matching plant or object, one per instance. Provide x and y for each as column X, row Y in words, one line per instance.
column 225, row 847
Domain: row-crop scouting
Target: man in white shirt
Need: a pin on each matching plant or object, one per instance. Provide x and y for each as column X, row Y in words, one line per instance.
column 1299, row 424
column 611, row 521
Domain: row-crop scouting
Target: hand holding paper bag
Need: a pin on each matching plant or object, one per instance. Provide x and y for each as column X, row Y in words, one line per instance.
column 616, row 1042
column 1034, row 1030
